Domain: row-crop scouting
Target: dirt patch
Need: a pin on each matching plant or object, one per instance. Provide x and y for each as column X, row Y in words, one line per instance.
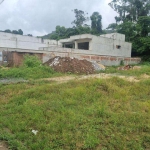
column 145, row 76
column 71, row 65
column 3, row 145
column 99, row 76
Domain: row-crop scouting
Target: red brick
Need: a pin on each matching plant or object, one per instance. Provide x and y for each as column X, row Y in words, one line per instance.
column 113, row 58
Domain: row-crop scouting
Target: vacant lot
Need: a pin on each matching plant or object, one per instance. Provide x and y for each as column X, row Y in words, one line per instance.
column 103, row 114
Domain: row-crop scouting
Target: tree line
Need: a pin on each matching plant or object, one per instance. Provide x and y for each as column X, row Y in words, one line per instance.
column 19, row 32
column 79, row 26
column 133, row 20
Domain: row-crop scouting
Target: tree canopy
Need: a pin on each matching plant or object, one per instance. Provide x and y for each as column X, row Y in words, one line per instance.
column 130, row 9
column 79, row 26
column 80, row 18
column 20, row 32
column 96, row 23
column 133, row 20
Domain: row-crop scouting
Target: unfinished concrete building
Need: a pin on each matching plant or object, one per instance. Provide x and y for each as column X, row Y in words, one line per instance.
column 108, row 49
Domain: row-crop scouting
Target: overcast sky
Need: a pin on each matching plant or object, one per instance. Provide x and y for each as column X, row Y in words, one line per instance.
column 40, row 17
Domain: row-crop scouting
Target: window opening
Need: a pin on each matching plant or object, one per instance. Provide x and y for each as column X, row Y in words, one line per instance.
column 118, row 46
column 84, row 45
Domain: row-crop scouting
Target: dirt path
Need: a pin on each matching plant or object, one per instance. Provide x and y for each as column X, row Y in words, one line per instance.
column 100, row 76
column 3, row 146
column 79, row 77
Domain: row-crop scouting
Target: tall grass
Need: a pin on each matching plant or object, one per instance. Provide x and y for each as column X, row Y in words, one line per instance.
column 91, row 114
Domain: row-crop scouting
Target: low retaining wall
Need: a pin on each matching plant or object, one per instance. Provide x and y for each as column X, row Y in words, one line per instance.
column 105, row 60
column 14, row 57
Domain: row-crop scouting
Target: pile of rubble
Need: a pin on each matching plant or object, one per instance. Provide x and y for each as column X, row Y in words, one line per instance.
column 72, row 65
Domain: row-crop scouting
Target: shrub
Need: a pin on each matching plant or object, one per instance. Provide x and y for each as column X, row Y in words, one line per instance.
column 31, row 61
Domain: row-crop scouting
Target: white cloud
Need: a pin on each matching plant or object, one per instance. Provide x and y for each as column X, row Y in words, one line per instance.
column 39, row 17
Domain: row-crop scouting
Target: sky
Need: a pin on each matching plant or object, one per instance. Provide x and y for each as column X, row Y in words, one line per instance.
column 40, row 17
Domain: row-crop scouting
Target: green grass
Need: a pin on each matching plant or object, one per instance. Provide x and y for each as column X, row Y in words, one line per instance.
column 108, row 114
column 145, row 69
column 32, row 68
column 28, row 73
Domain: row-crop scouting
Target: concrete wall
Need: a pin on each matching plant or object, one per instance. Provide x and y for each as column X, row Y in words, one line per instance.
column 15, row 56
column 80, row 54
column 83, row 41
column 8, row 40
column 103, row 45
column 115, row 36
column 101, row 48
column 106, row 46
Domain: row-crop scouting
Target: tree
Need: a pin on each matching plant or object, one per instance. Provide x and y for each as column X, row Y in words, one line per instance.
column 96, row 23
column 141, row 42
column 130, row 9
column 80, row 18
column 20, row 32
column 143, row 26
column 29, row 35
column 60, row 31
column 112, row 26
column 7, row 31
column 128, row 28
column 15, row 32
column 82, row 30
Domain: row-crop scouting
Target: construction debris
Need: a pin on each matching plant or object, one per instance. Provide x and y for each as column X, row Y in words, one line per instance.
column 97, row 66
column 127, row 67
column 34, row 132
column 71, row 65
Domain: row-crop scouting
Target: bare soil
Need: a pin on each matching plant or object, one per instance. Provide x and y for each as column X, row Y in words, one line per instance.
column 3, row 145
column 100, row 76
column 71, row 65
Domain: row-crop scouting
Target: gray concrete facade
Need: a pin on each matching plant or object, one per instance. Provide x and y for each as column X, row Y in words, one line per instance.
column 8, row 40
column 108, row 44
column 108, row 49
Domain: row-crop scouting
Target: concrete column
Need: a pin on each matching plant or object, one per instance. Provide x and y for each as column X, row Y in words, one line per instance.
column 73, row 45
column 90, row 45
column 76, row 45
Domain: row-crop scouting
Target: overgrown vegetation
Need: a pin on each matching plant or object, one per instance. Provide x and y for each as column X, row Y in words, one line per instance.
column 83, row 114
column 89, row 114
column 145, row 69
column 32, row 68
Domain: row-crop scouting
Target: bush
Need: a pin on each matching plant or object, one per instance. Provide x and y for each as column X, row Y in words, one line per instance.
column 31, row 61
column 32, row 69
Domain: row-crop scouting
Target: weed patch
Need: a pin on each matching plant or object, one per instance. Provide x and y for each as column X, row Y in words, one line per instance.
column 31, row 69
